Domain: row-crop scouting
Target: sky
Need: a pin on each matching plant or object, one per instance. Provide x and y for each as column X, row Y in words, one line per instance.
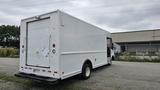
column 111, row 15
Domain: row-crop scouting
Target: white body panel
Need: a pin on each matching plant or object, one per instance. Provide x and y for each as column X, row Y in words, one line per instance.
column 38, row 52
column 75, row 42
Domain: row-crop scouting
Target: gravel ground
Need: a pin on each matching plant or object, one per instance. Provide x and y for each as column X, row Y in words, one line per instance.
column 119, row 76
column 9, row 66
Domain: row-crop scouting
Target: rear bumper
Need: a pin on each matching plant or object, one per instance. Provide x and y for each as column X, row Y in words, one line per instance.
column 36, row 77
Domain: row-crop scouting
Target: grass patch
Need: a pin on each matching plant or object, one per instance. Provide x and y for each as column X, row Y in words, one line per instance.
column 77, row 88
column 8, row 52
column 29, row 84
column 137, row 59
column 14, row 79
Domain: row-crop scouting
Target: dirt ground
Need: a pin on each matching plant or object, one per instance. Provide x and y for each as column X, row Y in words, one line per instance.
column 119, row 76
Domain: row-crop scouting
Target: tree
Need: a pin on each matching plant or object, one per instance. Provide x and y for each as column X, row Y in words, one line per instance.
column 9, row 36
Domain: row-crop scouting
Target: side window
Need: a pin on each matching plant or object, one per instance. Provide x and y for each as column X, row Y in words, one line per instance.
column 109, row 42
column 109, row 46
column 108, row 52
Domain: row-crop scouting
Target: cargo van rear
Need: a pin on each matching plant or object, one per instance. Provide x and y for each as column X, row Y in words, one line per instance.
column 56, row 45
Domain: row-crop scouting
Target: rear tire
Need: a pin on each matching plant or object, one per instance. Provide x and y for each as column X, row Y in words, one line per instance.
column 86, row 71
column 113, row 58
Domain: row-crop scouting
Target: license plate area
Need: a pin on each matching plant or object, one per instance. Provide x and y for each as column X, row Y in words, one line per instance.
column 36, row 70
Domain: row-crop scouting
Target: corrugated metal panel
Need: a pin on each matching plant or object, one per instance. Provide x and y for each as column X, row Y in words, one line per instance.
column 156, row 35
column 137, row 36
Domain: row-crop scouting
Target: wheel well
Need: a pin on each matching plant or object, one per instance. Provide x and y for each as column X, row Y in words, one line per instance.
column 88, row 62
column 113, row 58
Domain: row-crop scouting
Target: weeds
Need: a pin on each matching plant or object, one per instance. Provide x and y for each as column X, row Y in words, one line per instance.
column 8, row 52
column 29, row 84
column 6, row 77
column 139, row 57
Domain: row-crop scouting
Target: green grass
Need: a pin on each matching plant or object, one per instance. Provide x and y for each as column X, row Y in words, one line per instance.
column 136, row 59
column 8, row 52
column 6, row 77
column 29, row 84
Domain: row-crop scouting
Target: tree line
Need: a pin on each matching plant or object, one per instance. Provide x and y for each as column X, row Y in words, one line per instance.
column 9, row 36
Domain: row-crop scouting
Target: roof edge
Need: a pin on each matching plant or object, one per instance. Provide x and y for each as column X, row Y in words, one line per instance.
column 135, row 31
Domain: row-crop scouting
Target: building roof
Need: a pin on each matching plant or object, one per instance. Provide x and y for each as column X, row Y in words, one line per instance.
column 137, row 36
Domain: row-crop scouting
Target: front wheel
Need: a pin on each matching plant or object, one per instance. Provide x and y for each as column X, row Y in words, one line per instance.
column 86, row 71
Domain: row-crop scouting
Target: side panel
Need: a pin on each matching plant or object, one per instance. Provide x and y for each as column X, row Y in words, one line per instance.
column 71, row 64
column 80, row 41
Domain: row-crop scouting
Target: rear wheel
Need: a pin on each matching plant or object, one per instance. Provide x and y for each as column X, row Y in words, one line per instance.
column 113, row 58
column 86, row 71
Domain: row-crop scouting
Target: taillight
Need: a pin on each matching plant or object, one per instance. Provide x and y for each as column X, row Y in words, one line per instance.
column 22, row 46
column 55, row 72
column 49, row 71
column 53, row 51
column 54, row 45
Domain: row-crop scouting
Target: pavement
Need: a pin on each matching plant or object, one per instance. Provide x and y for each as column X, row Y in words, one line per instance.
column 9, row 66
column 119, row 76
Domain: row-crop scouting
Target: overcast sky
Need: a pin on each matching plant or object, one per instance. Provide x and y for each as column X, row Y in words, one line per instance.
column 111, row 15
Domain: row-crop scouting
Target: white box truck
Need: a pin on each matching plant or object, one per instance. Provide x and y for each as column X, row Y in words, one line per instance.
column 55, row 46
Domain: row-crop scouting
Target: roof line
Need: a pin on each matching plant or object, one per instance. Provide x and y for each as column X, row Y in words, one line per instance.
column 136, row 31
